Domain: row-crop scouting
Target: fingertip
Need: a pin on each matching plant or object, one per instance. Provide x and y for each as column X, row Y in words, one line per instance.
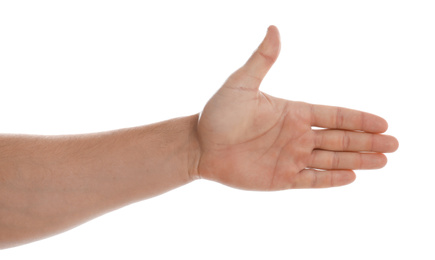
column 374, row 124
column 271, row 44
column 379, row 124
column 382, row 160
column 394, row 144
column 343, row 177
column 383, row 125
column 272, row 29
column 263, row 57
column 385, row 143
column 371, row 161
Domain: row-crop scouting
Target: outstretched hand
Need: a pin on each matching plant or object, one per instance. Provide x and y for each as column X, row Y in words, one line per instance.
column 254, row 141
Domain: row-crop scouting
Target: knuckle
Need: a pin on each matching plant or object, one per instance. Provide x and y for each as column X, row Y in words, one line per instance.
column 339, row 118
column 346, row 141
column 269, row 59
column 335, row 161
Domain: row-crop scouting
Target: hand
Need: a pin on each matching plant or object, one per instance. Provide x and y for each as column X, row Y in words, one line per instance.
column 254, row 141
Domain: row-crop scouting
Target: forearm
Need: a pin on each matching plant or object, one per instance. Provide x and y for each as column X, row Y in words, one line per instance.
column 49, row 184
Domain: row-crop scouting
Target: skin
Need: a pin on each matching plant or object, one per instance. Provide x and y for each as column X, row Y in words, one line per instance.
column 243, row 138
column 251, row 140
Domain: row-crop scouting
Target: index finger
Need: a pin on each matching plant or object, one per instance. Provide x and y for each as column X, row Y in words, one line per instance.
column 346, row 119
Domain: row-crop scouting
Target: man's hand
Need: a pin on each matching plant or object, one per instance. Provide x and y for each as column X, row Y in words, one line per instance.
column 247, row 139
column 254, row 141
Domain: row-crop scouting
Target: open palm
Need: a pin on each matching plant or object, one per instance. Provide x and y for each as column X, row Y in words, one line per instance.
column 254, row 141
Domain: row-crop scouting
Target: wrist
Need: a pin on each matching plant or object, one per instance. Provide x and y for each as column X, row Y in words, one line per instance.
column 193, row 148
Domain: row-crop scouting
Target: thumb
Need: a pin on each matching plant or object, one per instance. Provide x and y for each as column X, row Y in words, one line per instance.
column 264, row 57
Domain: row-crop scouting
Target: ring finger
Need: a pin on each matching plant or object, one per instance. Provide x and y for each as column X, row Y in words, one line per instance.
column 339, row 140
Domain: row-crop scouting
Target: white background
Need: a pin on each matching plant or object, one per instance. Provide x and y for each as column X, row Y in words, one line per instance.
column 84, row 66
